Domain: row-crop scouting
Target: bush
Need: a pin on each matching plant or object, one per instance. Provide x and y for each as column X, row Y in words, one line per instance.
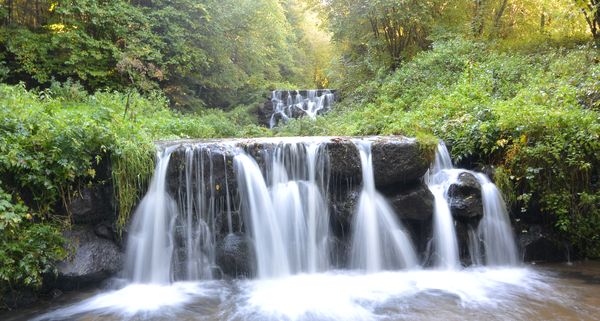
column 533, row 114
column 29, row 247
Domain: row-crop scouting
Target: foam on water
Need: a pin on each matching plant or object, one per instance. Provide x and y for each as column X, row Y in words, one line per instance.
column 336, row 295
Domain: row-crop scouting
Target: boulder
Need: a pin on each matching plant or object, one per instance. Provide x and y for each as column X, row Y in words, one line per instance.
column 465, row 198
column 415, row 203
column 344, row 159
column 92, row 260
column 342, row 208
column 398, row 160
column 234, row 255
column 92, row 205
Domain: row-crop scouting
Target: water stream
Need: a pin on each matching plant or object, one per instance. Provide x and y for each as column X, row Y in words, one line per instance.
column 284, row 205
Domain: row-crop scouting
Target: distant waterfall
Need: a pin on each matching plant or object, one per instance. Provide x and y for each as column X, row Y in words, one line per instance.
column 379, row 240
column 291, row 104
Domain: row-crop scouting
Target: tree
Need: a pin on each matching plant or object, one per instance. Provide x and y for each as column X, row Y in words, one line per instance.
column 591, row 12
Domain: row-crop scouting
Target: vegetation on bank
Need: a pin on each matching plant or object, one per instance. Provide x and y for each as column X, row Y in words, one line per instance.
column 54, row 142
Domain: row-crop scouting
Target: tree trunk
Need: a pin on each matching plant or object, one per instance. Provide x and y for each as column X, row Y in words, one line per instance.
column 499, row 15
column 477, row 22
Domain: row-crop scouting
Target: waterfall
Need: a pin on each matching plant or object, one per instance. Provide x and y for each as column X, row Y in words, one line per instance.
column 379, row 240
column 282, row 206
column 172, row 235
column 441, row 176
column 494, row 230
column 150, row 243
column 291, row 104
column 286, row 208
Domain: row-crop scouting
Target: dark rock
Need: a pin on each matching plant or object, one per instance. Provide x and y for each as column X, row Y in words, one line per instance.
column 415, row 203
column 105, row 231
column 93, row 259
column 342, row 208
column 539, row 244
column 398, row 160
column 344, row 159
column 235, row 256
column 465, row 198
column 92, row 205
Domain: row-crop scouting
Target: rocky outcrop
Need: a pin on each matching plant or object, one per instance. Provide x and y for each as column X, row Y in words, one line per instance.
column 91, row 260
column 92, row 205
column 415, row 203
column 465, row 198
column 398, row 161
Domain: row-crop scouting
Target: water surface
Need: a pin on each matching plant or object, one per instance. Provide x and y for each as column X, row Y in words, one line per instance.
column 534, row 292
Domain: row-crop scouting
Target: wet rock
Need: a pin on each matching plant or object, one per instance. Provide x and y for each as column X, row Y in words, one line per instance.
column 415, row 203
column 342, row 208
column 92, row 260
column 92, row 205
column 465, row 198
column 235, row 256
column 344, row 159
column 398, row 160
column 213, row 162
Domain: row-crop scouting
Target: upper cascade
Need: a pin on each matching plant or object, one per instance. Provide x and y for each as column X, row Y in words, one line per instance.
column 286, row 104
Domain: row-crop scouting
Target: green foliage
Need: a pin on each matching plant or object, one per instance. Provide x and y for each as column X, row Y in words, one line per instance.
column 214, row 53
column 29, row 250
column 53, row 142
column 532, row 114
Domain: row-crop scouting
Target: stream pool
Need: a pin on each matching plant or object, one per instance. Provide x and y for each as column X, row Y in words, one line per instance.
column 532, row 292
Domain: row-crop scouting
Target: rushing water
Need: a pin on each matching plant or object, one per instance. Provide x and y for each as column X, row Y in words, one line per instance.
column 294, row 104
column 555, row 292
column 287, row 211
column 284, row 205
column 380, row 241
column 494, row 231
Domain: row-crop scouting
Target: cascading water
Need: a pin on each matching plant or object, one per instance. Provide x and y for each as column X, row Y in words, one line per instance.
column 171, row 238
column 150, row 243
column 494, row 230
column 287, row 212
column 294, row 104
column 282, row 200
column 445, row 242
column 379, row 240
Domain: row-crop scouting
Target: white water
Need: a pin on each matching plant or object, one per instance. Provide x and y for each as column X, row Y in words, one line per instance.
column 288, row 216
column 295, row 104
column 445, row 243
column 471, row 294
column 379, row 241
column 494, row 229
column 150, row 244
